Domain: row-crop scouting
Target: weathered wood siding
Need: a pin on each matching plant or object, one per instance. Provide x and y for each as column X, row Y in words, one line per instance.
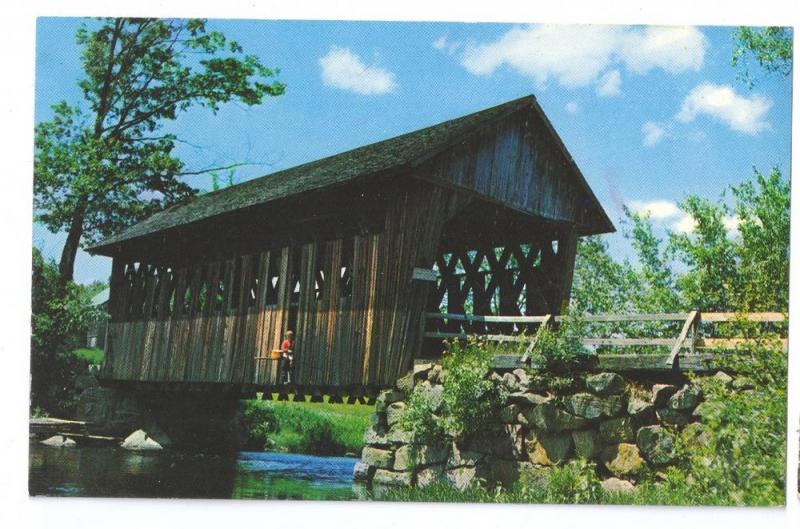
column 356, row 307
column 515, row 162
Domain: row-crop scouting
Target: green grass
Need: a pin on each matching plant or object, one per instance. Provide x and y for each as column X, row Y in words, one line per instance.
column 306, row 427
column 92, row 356
column 575, row 484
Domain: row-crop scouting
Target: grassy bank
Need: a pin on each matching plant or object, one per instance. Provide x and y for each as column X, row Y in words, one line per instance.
column 576, row 483
column 306, row 427
column 90, row 355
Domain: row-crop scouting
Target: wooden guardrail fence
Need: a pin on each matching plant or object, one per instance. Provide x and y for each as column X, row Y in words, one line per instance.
column 689, row 341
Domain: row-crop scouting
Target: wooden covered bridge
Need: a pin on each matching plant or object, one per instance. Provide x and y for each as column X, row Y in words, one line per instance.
column 477, row 215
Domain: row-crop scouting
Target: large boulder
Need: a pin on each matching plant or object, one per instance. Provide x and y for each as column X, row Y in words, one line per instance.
column 395, row 412
column 549, row 417
column 59, row 441
column 430, row 475
column 464, row 458
column 619, row 430
column 141, row 440
column 377, row 457
column 661, row 394
column 547, row 448
column 406, row 383
column 523, row 377
column 362, row 472
column 587, row 443
column 435, row 374
column 376, row 436
column 387, row 397
column 404, row 458
column 511, row 383
column 389, row 478
column 426, row 455
column 507, row 444
column 622, row 460
column 508, row 414
column 462, row 477
column 641, row 410
column 673, row 417
column 591, row 406
column 526, row 398
column 506, row 473
column 656, row 444
column 604, row 384
column 687, row 398
column 616, row 485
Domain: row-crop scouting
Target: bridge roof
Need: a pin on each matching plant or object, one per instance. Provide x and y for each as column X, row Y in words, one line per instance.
column 391, row 155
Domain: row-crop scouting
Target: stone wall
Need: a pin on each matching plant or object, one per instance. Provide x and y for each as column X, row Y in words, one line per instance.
column 621, row 423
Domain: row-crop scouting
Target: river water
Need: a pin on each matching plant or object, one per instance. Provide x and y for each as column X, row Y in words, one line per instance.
column 114, row 472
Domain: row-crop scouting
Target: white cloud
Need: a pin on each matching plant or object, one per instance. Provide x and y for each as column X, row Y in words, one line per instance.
column 609, row 84
column 721, row 102
column 731, row 223
column 686, row 224
column 674, row 49
column 655, row 209
column 341, row 68
column 653, row 133
column 576, row 56
column 445, row 45
column 572, row 107
column 667, row 212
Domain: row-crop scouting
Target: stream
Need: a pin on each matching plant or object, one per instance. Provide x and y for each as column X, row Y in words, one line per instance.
column 113, row 472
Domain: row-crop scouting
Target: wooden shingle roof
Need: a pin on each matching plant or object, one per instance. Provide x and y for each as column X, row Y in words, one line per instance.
column 393, row 154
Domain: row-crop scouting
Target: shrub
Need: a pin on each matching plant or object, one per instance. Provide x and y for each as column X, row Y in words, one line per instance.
column 61, row 313
column 559, row 357
column 469, row 399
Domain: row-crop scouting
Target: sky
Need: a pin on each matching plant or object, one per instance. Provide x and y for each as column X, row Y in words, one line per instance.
column 650, row 114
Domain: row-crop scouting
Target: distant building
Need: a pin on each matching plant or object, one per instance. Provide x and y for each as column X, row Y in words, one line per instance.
column 96, row 335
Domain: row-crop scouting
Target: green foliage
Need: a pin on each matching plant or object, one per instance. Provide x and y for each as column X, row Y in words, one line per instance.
column 601, row 284
column 469, row 399
column 310, row 428
column 107, row 163
column 710, row 268
column 61, row 313
column 91, row 356
column 771, row 47
column 559, row 356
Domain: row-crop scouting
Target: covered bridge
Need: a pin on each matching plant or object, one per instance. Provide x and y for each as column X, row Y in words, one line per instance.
column 479, row 214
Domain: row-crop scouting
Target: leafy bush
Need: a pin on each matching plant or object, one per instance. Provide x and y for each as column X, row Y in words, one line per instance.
column 559, row 358
column 61, row 314
column 469, row 399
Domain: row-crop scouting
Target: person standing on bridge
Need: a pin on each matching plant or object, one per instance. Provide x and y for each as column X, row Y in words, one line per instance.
column 287, row 357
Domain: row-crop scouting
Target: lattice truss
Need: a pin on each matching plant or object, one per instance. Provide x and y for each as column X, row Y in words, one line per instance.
column 521, row 279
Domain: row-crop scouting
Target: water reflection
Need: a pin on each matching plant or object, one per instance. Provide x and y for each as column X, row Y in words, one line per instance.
column 113, row 472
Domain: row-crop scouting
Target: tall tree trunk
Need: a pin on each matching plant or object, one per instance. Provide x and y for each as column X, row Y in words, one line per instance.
column 66, row 267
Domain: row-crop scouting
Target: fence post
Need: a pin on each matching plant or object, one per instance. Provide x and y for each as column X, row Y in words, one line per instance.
column 688, row 325
column 529, row 350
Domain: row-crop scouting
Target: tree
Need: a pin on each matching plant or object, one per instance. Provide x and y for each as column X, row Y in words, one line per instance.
column 601, row 284
column 61, row 313
column 107, row 163
column 771, row 48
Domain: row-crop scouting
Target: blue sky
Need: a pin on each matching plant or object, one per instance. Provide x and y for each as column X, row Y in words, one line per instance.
column 650, row 114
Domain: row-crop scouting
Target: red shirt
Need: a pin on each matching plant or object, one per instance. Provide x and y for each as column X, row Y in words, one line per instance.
column 287, row 345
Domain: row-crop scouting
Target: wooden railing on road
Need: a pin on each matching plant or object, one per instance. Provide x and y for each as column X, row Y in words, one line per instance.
column 688, row 342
